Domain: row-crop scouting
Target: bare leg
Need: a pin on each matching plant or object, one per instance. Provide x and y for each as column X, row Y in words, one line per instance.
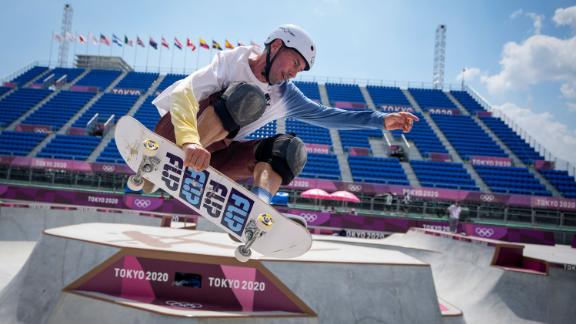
column 266, row 178
column 210, row 130
column 210, row 127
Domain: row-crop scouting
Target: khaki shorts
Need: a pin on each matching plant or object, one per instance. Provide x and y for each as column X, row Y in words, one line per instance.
column 235, row 159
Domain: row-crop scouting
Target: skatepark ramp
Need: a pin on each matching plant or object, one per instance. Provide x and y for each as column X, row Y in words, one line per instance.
column 99, row 272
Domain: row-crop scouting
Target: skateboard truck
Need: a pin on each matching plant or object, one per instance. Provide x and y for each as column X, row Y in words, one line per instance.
column 254, row 230
column 147, row 165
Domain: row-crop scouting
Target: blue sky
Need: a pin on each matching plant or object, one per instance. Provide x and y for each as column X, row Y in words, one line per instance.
column 518, row 53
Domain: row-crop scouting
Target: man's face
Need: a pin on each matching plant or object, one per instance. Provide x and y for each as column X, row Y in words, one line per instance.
column 286, row 66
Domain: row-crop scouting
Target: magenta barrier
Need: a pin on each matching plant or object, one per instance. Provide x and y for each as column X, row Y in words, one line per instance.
column 322, row 219
column 443, row 111
column 93, row 199
column 77, row 131
column 317, row 148
column 401, row 225
column 36, row 86
column 79, row 88
column 349, row 105
column 328, row 185
column 358, row 151
column 395, row 108
column 494, row 161
column 34, row 128
column 484, row 114
column 10, row 85
column 440, row 157
column 573, row 245
column 543, row 165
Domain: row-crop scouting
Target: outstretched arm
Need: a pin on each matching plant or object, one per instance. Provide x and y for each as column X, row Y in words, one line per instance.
column 304, row 109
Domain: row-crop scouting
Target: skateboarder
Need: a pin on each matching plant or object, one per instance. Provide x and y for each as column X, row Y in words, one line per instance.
column 212, row 111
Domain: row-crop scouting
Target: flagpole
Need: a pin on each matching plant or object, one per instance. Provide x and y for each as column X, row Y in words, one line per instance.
column 51, row 46
column 197, row 58
column 147, row 54
column 185, row 54
column 160, row 57
column 172, row 59
column 135, row 52
column 74, row 49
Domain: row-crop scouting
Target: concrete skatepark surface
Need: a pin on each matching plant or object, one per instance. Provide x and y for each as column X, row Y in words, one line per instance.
column 399, row 279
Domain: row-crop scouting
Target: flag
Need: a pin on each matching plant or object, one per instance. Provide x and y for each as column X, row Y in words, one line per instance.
column 216, row 45
column 128, row 41
column 228, row 45
column 140, row 42
column 190, row 44
column 81, row 39
column 165, row 43
column 253, row 43
column 204, row 44
column 70, row 37
column 94, row 39
column 104, row 40
column 177, row 43
column 153, row 43
column 58, row 38
column 116, row 40
column 240, row 43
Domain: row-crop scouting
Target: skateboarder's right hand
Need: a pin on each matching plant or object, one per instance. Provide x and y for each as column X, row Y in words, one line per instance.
column 197, row 157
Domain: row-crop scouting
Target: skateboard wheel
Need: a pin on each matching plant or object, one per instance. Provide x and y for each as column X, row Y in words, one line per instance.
column 242, row 253
column 150, row 147
column 134, row 183
column 265, row 222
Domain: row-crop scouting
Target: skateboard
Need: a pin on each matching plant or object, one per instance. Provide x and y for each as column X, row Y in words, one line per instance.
column 209, row 193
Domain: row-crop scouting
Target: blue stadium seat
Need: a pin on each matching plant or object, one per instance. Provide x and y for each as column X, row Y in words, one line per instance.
column 58, row 110
column 308, row 133
column 109, row 104
column 562, row 181
column 511, row 180
column 377, row 170
column 19, row 143
column 18, row 102
column 169, row 79
column 148, row 114
column 514, row 142
column 344, row 92
column 423, row 137
column 309, row 89
column 110, row 154
column 467, row 137
column 387, row 96
column 265, row 131
column 137, row 81
column 431, row 98
column 70, row 73
column 27, row 76
column 323, row 166
column 70, row 147
column 467, row 101
column 358, row 138
column 4, row 90
column 100, row 79
column 443, row 175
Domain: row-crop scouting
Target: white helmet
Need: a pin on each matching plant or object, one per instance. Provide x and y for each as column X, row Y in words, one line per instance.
column 296, row 38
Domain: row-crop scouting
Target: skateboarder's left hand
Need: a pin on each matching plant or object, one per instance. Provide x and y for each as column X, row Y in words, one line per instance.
column 197, row 157
column 400, row 120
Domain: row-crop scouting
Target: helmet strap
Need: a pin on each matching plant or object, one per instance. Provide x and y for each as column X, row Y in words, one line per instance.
column 269, row 62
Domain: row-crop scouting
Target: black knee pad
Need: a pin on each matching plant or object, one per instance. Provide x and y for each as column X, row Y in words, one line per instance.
column 241, row 104
column 285, row 153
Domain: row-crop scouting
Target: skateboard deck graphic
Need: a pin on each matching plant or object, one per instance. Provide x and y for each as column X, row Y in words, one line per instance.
column 211, row 194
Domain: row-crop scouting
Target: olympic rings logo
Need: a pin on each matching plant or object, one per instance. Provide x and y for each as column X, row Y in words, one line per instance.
column 142, row 203
column 484, row 231
column 487, row 198
column 310, row 218
column 355, row 188
column 108, row 168
column 183, row 304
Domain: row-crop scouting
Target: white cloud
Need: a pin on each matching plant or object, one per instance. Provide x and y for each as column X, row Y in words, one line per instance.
column 565, row 17
column 568, row 90
column 468, row 75
column 571, row 106
column 555, row 136
column 538, row 59
column 537, row 20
